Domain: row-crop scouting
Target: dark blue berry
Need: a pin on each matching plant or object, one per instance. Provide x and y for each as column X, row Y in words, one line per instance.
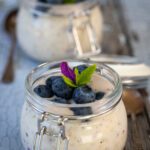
column 83, row 95
column 42, row 1
column 50, row 80
column 60, row 100
column 43, row 91
column 42, row 9
column 51, row 1
column 99, row 95
column 82, row 111
column 55, row 1
column 81, row 68
column 61, row 89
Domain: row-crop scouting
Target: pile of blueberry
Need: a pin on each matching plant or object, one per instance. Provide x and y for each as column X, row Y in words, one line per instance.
column 59, row 92
column 56, row 87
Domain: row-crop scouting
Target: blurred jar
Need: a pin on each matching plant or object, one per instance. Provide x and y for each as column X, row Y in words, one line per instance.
column 52, row 32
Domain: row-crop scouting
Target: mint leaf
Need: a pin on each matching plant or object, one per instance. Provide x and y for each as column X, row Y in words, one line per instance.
column 86, row 75
column 75, row 79
column 77, row 75
column 69, row 1
column 68, row 81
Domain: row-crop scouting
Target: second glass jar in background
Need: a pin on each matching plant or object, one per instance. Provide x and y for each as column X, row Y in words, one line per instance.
column 52, row 32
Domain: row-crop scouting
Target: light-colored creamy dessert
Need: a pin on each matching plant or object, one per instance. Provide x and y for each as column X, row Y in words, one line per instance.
column 45, row 32
column 94, row 115
column 108, row 131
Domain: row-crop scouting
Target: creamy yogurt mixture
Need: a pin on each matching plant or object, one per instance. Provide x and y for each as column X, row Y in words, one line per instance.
column 104, row 132
column 45, row 36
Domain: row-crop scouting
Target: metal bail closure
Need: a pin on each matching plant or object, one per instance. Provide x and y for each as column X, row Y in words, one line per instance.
column 83, row 34
column 39, row 138
column 62, row 140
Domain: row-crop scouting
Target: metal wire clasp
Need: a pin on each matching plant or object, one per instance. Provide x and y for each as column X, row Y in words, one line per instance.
column 80, row 24
column 62, row 140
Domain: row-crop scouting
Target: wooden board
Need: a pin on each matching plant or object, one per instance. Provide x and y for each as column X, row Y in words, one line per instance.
column 115, row 33
column 138, row 132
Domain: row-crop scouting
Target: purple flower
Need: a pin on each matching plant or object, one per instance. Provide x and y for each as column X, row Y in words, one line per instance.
column 67, row 71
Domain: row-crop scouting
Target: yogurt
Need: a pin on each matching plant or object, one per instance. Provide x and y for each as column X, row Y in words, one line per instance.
column 108, row 131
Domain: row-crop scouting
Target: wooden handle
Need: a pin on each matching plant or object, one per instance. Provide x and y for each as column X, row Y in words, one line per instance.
column 8, row 75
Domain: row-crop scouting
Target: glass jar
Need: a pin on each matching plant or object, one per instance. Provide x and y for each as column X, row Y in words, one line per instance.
column 53, row 32
column 46, row 125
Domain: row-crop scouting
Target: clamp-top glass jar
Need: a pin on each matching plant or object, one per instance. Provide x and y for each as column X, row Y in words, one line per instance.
column 53, row 32
column 46, row 125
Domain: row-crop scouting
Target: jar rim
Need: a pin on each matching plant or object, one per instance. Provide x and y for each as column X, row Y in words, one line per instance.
column 108, row 102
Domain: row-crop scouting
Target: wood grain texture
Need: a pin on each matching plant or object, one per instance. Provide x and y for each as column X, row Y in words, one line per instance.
column 138, row 133
column 115, row 37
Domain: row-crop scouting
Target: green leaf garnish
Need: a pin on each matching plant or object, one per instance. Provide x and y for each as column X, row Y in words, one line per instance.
column 77, row 75
column 86, row 75
column 75, row 79
column 69, row 1
column 69, row 82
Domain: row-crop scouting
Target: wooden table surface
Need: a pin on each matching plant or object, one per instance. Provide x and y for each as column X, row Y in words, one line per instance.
column 117, row 40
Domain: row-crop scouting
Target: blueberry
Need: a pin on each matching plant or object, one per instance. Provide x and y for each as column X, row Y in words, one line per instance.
column 43, row 91
column 99, row 95
column 42, row 1
column 50, row 80
column 60, row 100
column 82, row 111
column 61, row 89
column 83, row 95
column 81, row 68
column 51, row 1
column 42, row 9
column 55, row 1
